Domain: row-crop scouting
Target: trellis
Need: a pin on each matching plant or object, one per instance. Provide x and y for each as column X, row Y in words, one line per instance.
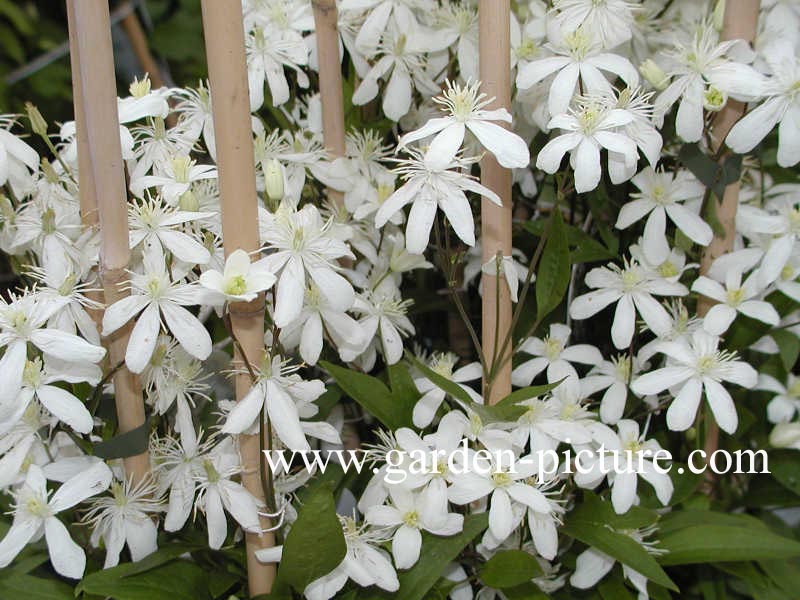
column 103, row 193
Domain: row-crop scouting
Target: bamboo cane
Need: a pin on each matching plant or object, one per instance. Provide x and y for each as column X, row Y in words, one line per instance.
column 227, row 71
column 102, row 156
column 330, row 82
column 86, row 189
column 495, row 72
column 740, row 21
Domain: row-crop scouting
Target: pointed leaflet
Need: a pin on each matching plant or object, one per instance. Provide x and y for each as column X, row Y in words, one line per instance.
column 391, row 407
column 552, row 277
column 592, row 522
column 315, row 545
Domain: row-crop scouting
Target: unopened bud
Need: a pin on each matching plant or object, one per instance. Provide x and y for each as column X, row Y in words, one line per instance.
column 188, row 202
column 714, row 99
column 718, row 16
column 654, row 74
column 273, row 179
column 38, row 124
column 785, row 435
column 49, row 172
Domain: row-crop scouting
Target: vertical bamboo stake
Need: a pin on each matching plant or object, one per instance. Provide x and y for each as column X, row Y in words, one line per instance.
column 227, row 72
column 739, row 22
column 330, row 81
column 86, row 189
column 102, row 157
column 495, row 71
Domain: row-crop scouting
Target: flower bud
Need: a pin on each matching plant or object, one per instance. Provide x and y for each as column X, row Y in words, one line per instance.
column 785, row 435
column 718, row 16
column 38, row 124
column 654, row 74
column 188, row 202
column 273, row 179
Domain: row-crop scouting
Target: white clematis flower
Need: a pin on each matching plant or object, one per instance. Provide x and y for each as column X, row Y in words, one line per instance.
column 407, row 517
column 633, row 289
column 155, row 296
column 466, row 106
column 732, row 298
column 697, row 365
column 661, row 194
column 240, row 281
column 278, row 389
column 304, row 246
column 35, row 515
column 589, row 127
column 429, row 186
column 781, row 107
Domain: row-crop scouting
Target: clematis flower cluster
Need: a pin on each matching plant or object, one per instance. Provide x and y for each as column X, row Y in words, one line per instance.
column 367, row 279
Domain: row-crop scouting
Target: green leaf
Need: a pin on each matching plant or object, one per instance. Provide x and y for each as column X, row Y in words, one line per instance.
column 175, row 580
column 315, row 545
column 18, row 585
column 594, row 522
column 372, row 394
column 437, row 552
column 612, row 588
column 715, row 543
column 682, row 519
column 126, row 444
column 785, row 468
column 510, row 568
column 526, row 591
column 404, row 391
column 532, row 391
column 585, row 247
column 553, row 273
column 789, row 346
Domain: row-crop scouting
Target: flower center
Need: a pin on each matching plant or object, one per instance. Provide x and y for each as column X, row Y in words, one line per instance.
column 578, row 43
column 140, row 89
column 49, row 221
column 552, row 348
column 236, row 286
column 501, row 479
column 443, row 365
column 623, row 369
column 707, row 363
column 37, row 507
column 630, row 279
column 32, row 373
column 668, row 269
column 180, row 168
column 411, row 519
column 211, row 472
column 735, row 296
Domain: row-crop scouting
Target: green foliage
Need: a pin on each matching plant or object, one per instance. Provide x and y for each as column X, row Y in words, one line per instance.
column 163, row 577
column 391, row 407
column 510, row 568
column 315, row 544
column 130, row 443
column 595, row 523
column 553, row 274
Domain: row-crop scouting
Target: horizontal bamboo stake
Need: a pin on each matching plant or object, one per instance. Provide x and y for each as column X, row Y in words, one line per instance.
column 227, row 73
